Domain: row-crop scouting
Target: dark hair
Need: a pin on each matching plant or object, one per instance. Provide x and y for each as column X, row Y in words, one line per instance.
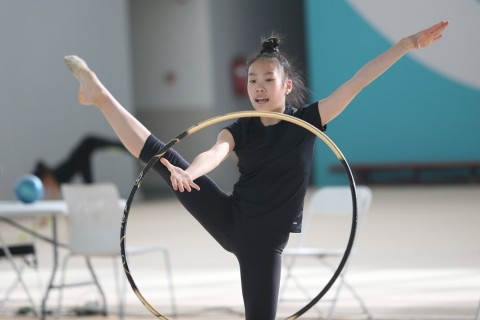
column 270, row 50
column 41, row 170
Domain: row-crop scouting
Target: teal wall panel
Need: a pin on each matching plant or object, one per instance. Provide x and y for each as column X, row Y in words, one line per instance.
column 410, row 113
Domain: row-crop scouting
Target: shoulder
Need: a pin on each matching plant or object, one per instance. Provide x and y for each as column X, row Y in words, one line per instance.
column 240, row 130
column 240, row 124
column 310, row 114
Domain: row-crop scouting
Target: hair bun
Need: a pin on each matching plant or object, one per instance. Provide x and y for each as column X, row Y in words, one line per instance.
column 270, row 45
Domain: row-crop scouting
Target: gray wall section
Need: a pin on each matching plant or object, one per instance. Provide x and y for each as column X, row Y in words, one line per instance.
column 133, row 52
column 39, row 115
column 237, row 29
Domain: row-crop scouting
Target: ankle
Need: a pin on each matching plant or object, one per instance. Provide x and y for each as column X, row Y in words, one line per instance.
column 103, row 99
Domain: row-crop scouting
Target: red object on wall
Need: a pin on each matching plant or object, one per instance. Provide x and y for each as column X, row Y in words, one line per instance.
column 239, row 76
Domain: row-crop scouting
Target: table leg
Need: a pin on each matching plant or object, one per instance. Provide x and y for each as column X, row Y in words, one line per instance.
column 43, row 311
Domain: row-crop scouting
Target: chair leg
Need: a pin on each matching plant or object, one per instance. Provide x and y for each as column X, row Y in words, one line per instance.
column 13, row 286
column 19, row 275
column 288, row 275
column 349, row 287
column 339, row 285
column 120, row 285
column 359, row 299
column 61, row 286
column 168, row 268
column 97, row 284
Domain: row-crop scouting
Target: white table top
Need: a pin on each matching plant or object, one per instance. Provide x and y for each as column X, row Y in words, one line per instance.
column 17, row 209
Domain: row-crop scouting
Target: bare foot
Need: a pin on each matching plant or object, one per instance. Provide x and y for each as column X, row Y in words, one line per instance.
column 91, row 90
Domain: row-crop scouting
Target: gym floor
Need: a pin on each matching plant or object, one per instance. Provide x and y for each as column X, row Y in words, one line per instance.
column 417, row 256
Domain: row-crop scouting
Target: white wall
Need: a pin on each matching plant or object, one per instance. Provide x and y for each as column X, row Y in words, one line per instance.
column 39, row 115
column 172, row 40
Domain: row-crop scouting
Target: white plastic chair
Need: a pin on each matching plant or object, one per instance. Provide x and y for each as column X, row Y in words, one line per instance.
column 94, row 218
column 334, row 201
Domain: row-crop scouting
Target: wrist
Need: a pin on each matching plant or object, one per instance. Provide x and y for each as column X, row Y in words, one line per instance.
column 192, row 174
column 407, row 43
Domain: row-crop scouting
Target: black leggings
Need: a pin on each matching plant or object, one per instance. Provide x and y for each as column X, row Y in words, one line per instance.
column 79, row 160
column 258, row 251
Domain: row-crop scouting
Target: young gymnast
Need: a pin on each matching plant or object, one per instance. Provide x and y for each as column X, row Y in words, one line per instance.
column 274, row 160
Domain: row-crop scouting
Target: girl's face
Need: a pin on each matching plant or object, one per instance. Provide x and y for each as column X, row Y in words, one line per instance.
column 267, row 86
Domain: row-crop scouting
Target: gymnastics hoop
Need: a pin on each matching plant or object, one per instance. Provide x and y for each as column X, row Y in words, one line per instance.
column 207, row 123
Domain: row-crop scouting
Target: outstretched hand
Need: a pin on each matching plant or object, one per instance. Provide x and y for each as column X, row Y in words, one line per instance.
column 428, row 36
column 180, row 179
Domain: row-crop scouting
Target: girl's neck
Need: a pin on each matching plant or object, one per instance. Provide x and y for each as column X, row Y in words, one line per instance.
column 271, row 121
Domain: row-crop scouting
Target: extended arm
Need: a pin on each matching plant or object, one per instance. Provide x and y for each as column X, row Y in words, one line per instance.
column 204, row 163
column 334, row 104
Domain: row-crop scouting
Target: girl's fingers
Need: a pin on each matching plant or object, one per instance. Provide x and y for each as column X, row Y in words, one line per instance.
column 195, row 186
column 188, row 185
column 430, row 35
column 438, row 28
column 174, row 183
column 438, row 37
column 179, row 183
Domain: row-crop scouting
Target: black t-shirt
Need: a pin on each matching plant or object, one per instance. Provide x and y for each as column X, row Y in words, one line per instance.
column 275, row 164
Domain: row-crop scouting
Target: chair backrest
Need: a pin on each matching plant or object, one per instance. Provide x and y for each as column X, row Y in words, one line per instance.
column 335, row 201
column 114, row 165
column 94, row 218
